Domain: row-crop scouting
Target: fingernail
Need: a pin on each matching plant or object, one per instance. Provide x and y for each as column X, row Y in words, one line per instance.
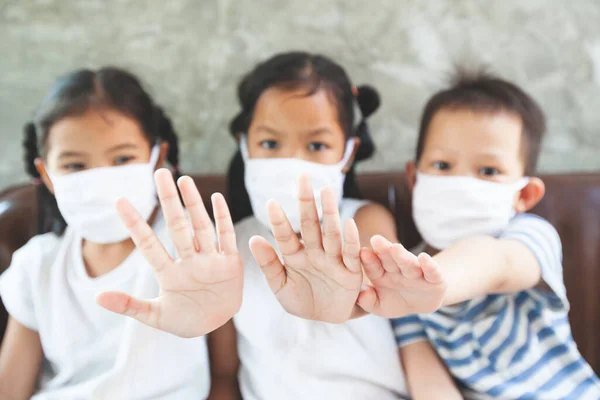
column 363, row 288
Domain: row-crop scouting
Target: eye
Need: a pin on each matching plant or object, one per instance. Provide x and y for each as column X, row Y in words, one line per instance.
column 73, row 167
column 316, row 146
column 269, row 144
column 441, row 165
column 123, row 160
column 489, row 171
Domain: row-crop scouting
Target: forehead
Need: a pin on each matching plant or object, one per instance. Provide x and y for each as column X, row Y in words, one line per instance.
column 95, row 129
column 476, row 131
column 295, row 109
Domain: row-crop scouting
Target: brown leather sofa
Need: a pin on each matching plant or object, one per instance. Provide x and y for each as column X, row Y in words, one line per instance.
column 572, row 205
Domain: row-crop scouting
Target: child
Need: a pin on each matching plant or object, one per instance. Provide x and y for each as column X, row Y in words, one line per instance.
column 504, row 331
column 298, row 118
column 101, row 137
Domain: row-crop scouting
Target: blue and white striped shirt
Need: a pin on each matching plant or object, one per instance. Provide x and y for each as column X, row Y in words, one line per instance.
column 511, row 346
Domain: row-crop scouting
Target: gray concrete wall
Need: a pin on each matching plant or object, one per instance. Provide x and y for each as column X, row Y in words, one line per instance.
column 191, row 54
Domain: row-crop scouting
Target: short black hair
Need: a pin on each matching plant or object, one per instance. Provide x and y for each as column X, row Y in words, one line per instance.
column 481, row 91
column 312, row 72
column 74, row 94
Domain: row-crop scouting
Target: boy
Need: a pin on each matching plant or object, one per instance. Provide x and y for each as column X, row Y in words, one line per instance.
column 503, row 330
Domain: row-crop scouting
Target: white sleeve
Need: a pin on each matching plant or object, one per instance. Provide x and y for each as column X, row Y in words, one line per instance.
column 543, row 241
column 16, row 284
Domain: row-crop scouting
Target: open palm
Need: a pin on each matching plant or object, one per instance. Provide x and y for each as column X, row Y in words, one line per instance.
column 401, row 283
column 319, row 278
column 202, row 289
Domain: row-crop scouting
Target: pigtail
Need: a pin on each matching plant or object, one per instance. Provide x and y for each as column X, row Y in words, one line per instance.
column 166, row 133
column 49, row 218
column 368, row 102
column 31, row 151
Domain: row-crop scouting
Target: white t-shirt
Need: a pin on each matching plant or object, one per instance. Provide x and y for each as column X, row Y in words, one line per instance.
column 286, row 357
column 89, row 352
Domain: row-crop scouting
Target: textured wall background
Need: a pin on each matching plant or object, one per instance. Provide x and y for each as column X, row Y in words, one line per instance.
column 191, row 54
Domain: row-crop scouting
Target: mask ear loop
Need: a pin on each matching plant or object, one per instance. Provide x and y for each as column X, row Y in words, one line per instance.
column 520, row 184
column 154, row 154
column 350, row 147
column 244, row 147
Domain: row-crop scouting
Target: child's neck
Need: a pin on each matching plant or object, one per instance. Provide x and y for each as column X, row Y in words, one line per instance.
column 100, row 259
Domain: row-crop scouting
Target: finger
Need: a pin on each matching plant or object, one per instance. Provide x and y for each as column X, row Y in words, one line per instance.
column 368, row 300
column 225, row 229
column 310, row 226
column 382, row 248
column 177, row 222
column 371, row 264
column 201, row 223
column 351, row 252
column 431, row 269
column 286, row 238
column 407, row 262
column 145, row 311
column 332, row 234
column 269, row 262
column 144, row 238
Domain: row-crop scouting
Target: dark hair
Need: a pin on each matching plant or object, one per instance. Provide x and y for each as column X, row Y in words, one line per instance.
column 76, row 93
column 294, row 70
column 481, row 91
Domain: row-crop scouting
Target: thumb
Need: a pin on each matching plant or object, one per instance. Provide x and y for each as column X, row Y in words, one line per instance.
column 145, row 311
column 368, row 300
column 268, row 260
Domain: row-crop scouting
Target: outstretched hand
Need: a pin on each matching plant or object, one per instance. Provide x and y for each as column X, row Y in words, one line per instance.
column 202, row 289
column 319, row 278
column 401, row 283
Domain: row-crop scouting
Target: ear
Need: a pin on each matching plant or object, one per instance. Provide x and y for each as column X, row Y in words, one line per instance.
column 530, row 195
column 352, row 156
column 41, row 168
column 162, row 155
column 238, row 137
column 355, row 91
column 411, row 174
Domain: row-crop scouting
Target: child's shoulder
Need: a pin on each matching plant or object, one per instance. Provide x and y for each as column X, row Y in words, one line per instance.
column 534, row 231
column 527, row 221
column 39, row 251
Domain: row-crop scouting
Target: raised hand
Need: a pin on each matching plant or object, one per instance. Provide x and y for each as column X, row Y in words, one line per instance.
column 401, row 283
column 202, row 289
column 319, row 278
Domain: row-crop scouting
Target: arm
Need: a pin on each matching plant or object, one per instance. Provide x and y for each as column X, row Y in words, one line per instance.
column 224, row 363
column 20, row 361
column 510, row 266
column 426, row 375
column 375, row 219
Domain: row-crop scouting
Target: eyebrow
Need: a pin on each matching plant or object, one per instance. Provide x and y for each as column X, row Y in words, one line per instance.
column 318, row 131
column 269, row 130
column 122, row 146
column 67, row 154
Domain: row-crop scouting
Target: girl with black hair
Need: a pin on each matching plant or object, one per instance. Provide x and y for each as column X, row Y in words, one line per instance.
column 101, row 136
column 298, row 141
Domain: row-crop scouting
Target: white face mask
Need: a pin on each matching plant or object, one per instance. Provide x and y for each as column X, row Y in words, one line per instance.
column 87, row 199
column 277, row 179
column 449, row 208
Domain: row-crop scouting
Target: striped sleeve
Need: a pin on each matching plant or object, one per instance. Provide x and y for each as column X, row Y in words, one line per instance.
column 543, row 241
column 408, row 330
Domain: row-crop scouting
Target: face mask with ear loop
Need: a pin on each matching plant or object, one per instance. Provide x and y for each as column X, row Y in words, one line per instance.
column 449, row 208
column 277, row 179
column 87, row 199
